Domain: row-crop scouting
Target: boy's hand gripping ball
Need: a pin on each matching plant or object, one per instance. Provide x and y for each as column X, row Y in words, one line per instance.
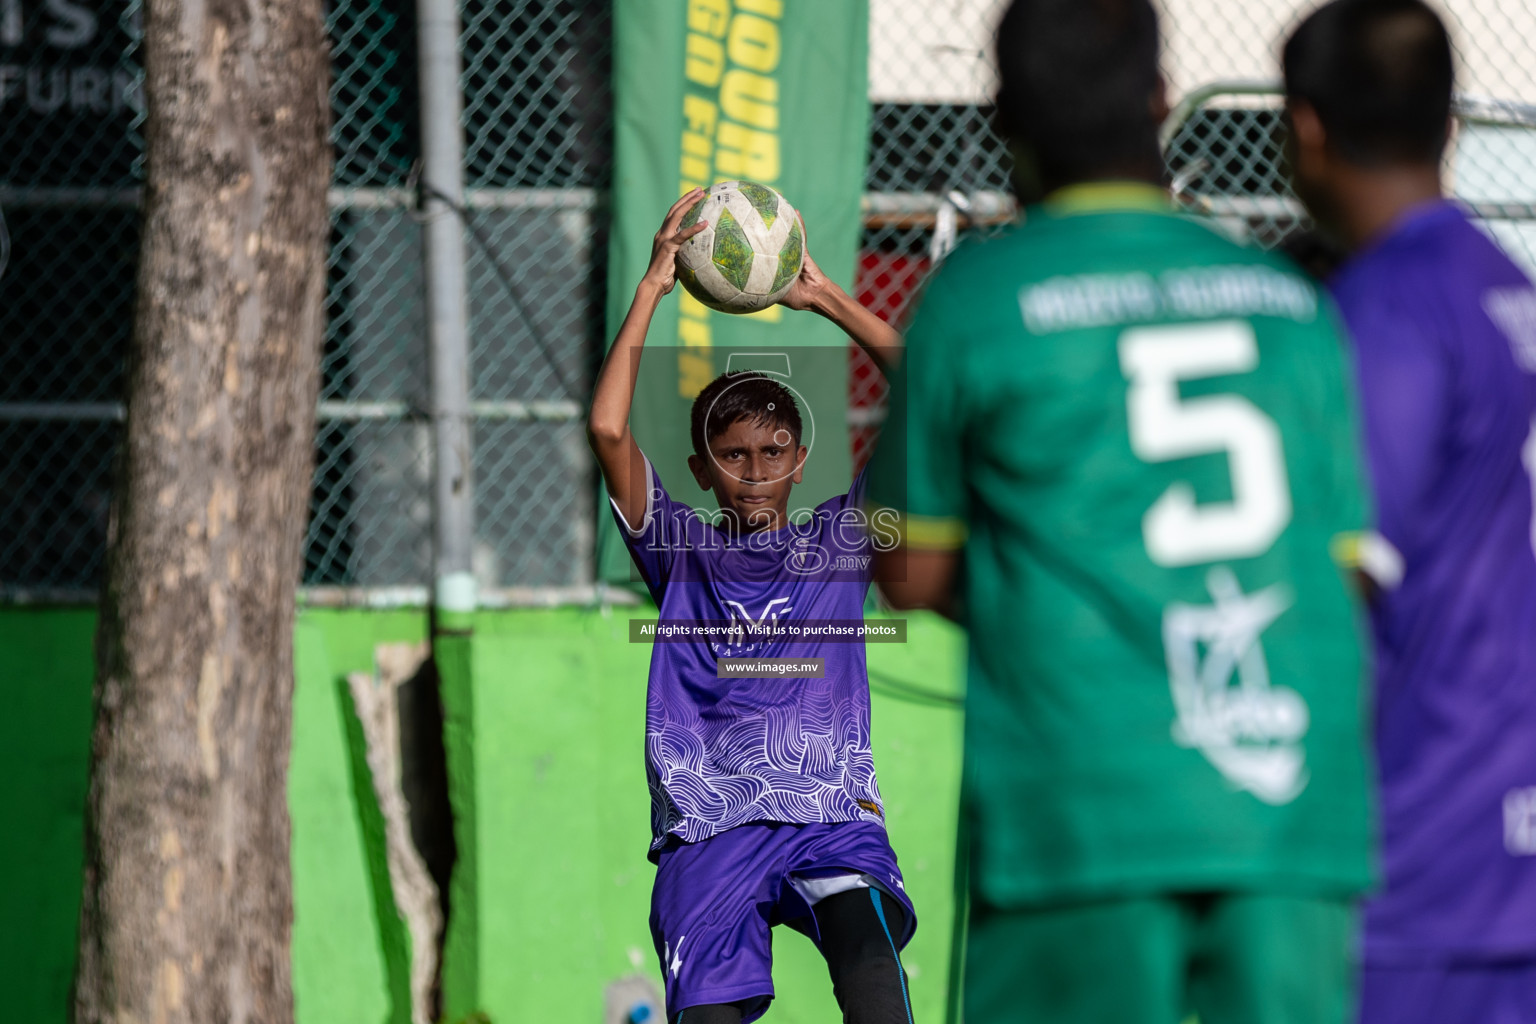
column 749, row 255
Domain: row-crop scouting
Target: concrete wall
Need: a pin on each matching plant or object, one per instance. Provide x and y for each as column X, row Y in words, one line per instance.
column 545, row 713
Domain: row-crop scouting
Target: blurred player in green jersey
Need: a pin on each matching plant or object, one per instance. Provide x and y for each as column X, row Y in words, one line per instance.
column 1119, row 451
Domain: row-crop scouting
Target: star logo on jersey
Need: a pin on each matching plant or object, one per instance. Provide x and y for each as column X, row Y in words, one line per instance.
column 1226, row 708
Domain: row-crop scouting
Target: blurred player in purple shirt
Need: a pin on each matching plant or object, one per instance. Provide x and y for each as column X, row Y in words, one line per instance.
column 1444, row 328
column 764, row 805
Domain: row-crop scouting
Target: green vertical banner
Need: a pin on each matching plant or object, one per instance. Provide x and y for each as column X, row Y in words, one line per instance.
column 772, row 91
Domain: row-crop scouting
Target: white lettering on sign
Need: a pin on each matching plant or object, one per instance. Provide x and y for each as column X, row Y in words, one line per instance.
column 32, row 83
column 75, row 90
column 10, row 23
column 75, row 24
column 66, row 25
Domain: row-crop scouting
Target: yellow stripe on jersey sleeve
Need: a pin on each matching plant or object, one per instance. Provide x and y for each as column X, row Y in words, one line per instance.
column 1370, row 553
column 931, row 533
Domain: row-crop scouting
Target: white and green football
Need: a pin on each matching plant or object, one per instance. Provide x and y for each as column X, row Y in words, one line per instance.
column 749, row 255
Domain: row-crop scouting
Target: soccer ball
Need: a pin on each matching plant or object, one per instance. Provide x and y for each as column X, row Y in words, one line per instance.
column 749, row 255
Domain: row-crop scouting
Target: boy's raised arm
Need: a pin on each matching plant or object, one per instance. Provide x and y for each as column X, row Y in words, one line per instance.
column 818, row 293
column 608, row 420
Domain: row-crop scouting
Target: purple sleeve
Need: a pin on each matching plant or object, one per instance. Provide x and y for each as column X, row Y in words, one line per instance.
column 653, row 542
column 1405, row 388
column 856, row 492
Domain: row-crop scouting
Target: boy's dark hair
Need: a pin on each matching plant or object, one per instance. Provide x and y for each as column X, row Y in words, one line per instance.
column 1379, row 74
column 745, row 395
column 1075, row 85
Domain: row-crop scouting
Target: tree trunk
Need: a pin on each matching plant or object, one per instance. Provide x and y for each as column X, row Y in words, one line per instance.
column 187, row 900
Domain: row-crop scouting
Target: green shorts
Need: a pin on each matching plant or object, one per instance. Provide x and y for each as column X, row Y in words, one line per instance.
column 1231, row 958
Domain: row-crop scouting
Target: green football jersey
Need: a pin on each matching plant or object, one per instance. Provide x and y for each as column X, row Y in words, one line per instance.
column 1143, row 436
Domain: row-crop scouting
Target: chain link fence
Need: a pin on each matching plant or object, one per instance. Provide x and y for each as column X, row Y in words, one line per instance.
column 1223, row 141
column 536, row 114
column 538, row 149
column 70, row 151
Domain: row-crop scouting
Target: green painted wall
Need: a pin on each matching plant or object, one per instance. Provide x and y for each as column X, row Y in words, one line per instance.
column 350, row 951
column 342, row 968
column 45, row 737
column 544, row 715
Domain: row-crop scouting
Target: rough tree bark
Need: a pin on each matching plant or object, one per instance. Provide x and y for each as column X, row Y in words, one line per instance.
column 187, row 901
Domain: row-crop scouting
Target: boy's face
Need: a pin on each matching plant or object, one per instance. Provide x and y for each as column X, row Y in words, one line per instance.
column 751, row 468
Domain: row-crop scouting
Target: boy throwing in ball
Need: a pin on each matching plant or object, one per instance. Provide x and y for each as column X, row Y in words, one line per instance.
column 764, row 805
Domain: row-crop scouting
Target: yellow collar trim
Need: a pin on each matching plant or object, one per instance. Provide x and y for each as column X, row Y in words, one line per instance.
column 1105, row 196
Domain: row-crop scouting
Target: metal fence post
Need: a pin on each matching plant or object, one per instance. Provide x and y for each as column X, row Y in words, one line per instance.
column 442, row 180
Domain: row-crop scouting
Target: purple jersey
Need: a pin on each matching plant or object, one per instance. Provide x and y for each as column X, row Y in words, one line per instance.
column 723, row 752
column 1445, row 338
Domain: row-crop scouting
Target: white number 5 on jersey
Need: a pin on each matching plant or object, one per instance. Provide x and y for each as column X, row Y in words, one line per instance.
column 1178, row 531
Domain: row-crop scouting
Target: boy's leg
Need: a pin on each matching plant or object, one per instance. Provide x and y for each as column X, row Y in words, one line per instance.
column 1107, row 962
column 844, row 889
column 859, row 930
column 1272, row 959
